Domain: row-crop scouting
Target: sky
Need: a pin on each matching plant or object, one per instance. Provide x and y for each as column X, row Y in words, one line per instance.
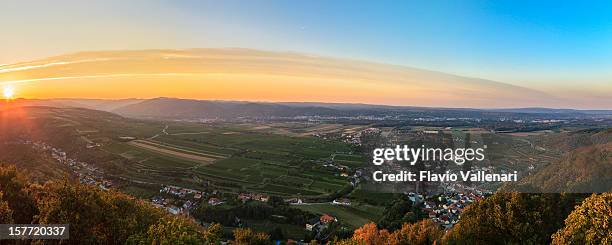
column 558, row 47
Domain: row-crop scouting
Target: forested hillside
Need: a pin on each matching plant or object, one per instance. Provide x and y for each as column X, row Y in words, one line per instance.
column 586, row 166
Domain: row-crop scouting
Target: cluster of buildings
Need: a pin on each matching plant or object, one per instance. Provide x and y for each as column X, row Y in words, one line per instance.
column 178, row 199
column 342, row 202
column 244, row 197
column 213, row 201
column 169, row 205
column 319, row 226
column 181, row 200
column 355, row 138
column 486, row 169
column 320, row 223
column 343, row 170
column 442, row 119
column 446, row 209
column 294, row 201
column 317, row 118
column 352, row 137
column 180, row 191
column 87, row 173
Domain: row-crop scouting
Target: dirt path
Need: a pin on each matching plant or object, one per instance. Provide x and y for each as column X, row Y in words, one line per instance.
column 181, row 149
column 164, row 150
column 162, row 132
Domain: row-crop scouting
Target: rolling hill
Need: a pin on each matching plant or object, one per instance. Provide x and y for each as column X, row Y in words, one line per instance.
column 168, row 108
column 173, row 108
column 585, row 168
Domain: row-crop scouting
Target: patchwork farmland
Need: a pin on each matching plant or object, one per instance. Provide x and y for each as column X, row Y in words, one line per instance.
column 232, row 159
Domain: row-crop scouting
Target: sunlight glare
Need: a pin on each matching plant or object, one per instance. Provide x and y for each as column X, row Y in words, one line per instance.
column 8, row 92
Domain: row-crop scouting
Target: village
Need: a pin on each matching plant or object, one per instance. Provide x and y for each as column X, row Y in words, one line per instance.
column 446, row 209
column 86, row 173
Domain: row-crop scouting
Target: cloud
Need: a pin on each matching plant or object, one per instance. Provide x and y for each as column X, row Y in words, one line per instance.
column 92, row 76
column 246, row 74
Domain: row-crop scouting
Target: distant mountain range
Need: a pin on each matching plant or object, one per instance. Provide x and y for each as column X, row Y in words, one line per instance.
column 94, row 104
column 173, row 108
column 551, row 111
column 193, row 109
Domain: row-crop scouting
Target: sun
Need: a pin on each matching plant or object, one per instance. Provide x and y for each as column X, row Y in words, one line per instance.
column 8, row 92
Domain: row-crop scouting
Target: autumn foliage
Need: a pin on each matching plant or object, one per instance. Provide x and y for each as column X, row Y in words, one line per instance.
column 423, row 232
column 590, row 223
column 103, row 217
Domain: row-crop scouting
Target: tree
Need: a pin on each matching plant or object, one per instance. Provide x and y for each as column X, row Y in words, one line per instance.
column 95, row 216
column 424, row 232
column 346, row 242
column 513, row 218
column 170, row 231
column 589, row 223
column 6, row 214
column 246, row 236
column 421, row 233
column 214, row 233
column 371, row 235
column 14, row 185
column 397, row 213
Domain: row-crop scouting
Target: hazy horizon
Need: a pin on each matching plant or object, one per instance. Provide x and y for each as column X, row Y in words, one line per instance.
column 309, row 102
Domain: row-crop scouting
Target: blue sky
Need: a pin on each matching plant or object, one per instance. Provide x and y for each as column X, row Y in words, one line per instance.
column 558, row 45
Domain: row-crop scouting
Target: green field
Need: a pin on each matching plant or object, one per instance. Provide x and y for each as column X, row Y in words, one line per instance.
column 276, row 159
column 354, row 216
column 231, row 158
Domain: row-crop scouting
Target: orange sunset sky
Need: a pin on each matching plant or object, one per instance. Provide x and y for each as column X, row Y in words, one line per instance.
column 414, row 53
column 253, row 75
